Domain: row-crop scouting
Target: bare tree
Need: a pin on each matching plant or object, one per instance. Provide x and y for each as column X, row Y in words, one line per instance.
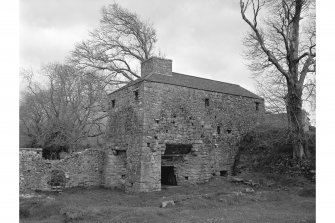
column 273, row 89
column 65, row 112
column 282, row 46
column 117, row 46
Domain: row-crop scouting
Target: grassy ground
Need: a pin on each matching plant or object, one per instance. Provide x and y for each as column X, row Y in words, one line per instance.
column 277, row 199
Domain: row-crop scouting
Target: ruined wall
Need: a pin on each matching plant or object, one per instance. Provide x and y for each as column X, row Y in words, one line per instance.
column 80, row 169
column 178, row 115
column 124, row 133
column 280, row 120
column 276, row 120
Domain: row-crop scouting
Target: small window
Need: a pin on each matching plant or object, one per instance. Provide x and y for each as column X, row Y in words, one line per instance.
column 206, row 102
column 257, row 106
column 228, row 131
column 113, row 103
column 218, row 130
column 148, row 144
column 136, row 95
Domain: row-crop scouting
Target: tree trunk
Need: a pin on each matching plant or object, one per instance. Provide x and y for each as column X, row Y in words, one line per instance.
column 295, row 120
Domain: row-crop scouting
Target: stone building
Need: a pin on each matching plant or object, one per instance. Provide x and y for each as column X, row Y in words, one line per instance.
column 175, row 129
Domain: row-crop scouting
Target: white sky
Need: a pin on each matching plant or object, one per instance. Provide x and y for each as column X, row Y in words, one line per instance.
column 203, row 38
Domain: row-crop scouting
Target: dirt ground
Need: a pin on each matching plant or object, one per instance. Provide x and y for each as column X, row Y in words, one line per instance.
column 276, row 199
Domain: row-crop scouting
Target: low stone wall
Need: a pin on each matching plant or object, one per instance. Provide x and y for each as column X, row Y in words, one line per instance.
column 83, row 168
column 276, row 120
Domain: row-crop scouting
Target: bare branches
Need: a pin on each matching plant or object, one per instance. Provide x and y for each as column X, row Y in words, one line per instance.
column 121, row 41
column 280, row 49
column 259, row 37
column 280, row 44
column 64, row 113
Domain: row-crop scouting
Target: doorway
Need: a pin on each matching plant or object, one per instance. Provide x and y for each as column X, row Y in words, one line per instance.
column 168, row 176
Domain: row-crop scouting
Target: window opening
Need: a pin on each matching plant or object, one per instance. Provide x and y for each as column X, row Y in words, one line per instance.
column 257, row 106
column 206, row 102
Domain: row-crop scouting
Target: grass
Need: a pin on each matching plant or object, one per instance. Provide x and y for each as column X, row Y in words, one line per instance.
column 215, row 201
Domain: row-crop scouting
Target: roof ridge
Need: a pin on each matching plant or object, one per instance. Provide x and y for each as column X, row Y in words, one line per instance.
column 206, row 79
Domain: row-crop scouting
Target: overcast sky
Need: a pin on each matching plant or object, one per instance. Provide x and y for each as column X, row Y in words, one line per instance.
column 203, row 38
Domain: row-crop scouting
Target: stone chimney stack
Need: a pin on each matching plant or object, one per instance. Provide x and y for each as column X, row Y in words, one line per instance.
column 156, row 65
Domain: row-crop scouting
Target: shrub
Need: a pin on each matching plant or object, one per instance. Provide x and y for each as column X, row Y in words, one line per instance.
column 24, row 212
column 269, row 149
column 57, row 178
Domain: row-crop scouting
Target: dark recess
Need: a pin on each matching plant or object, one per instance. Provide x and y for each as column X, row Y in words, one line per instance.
column 168, row 176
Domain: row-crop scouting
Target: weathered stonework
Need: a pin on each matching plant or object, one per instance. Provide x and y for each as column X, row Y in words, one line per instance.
column 80, row 169
column 280, row 120
column 164, row 127
column 147, row 116
column 157, row 66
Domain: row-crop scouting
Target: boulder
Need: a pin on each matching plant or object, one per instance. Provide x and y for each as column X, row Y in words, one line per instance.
column 167, row 204
column 235, row 179
column 249, row 190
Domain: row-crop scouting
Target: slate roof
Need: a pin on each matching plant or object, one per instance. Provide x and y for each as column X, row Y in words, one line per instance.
column 196, row 83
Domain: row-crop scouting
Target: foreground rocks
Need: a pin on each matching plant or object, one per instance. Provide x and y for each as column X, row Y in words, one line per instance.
column 243, row 181
column 167, row 204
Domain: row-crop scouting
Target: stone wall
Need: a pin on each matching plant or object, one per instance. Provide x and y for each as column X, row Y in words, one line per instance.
column 124, row 133
column 168, row 114
column 179, row 115
column 83, row 168
column 156, row 65
column 276, row 120
column 280, row 120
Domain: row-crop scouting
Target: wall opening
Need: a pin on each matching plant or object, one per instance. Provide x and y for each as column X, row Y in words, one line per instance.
column 54, row 153
column 168, row 176
column 206, row 102
column 223, row 173
column 257, row 106
column 177, row 149
column 57, row 179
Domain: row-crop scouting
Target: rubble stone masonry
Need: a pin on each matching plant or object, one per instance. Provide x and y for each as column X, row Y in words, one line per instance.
column 83, row 168
column 143, row 123
column 200, row 128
